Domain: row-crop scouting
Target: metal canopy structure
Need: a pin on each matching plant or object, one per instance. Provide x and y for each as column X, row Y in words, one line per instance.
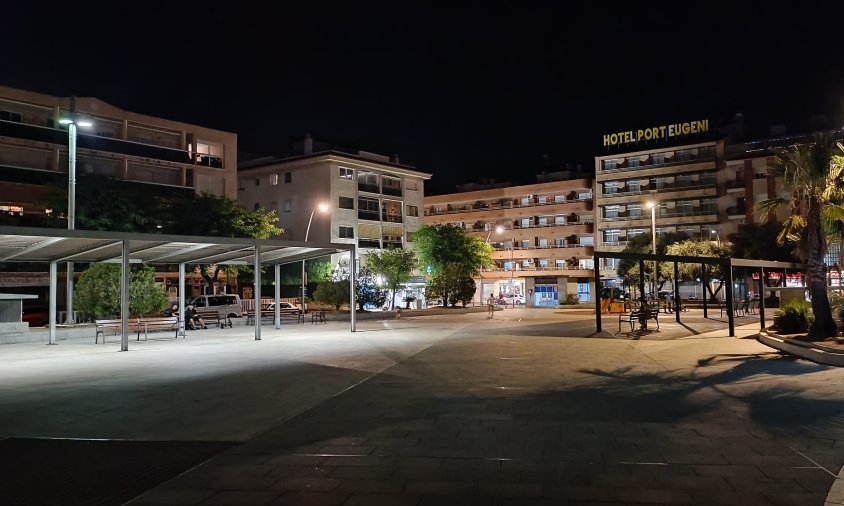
column 54, row 246
column 727, row 264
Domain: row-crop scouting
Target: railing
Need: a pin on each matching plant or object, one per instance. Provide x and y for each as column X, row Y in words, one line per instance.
column 534, row 268
column 508, row 205
column 392, row 243
column 392, row 218
column 395, row 192
column 549, row 246
column 656, row 165
column 666, row 188
column 111, row 145
column 614, row 243
column 671, row 215
column 546, row 225
column 371, row 188
column 736, row 211
column 735, row 183
column 369, row 243
column 369, row 215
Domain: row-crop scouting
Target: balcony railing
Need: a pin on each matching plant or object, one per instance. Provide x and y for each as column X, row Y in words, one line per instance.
column 369, row 243
column 392, row 218
column 735, row 183
column 549, row 246
column 701, row 185
column 371, row 188
column 369, row 215
column 105, row 144
column 670, row 215
column 493, row 207
column 395, row 192
column 736, row 211
column 534, row 268
column 673, row 163
column 606, row 242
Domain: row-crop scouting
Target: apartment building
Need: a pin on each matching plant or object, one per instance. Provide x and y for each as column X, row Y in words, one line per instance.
column 544, row 251
column 370, row 200
column 159, row 153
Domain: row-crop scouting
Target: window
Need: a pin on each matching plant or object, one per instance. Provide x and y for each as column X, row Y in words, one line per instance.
column 368, row 209
column 610, row 188
column 11, row 116
column 346, row 203
column 368, row 182
column 542, row 199
column 288, row 177
column 611, row 212
column 559, row 198
column 346, row 173
column 241, row 184
column 658, row 158
column 256, row 206
column 634, row 186
column 633, row 161
column 409, row 236
column 410, row 184
column 347, row 232
column 611, row 236
column 288, row 206
column 609, row 164
column 257, row 181
column 525, row 243
column 413, row 211
column 634, row 210
column 391, row 186
column 274, row 179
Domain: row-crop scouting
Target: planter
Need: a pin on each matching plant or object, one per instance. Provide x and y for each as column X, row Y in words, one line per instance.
column 817, row 353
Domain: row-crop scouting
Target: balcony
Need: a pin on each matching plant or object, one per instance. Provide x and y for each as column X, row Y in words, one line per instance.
column 737, row 211
column 371, row 188
column 369, row 215
column 391, row 218
column 395, row 192
column 369, row 243
column 696, row 185
column 503, row 205
column 588, row 225
column 707, row 156
column 701, row 212
column 549, row 246
column 109, row 145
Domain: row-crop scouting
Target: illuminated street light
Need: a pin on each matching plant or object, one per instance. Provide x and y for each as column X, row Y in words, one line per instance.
column 323, row 208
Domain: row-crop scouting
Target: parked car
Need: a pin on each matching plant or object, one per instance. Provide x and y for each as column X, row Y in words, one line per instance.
column 224, row 304
column 283, row 307
column 512, row 300
column 36, row 316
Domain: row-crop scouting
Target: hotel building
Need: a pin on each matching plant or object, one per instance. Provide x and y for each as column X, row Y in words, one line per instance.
column 158, row 153
column 545, row 249
column 373, row 201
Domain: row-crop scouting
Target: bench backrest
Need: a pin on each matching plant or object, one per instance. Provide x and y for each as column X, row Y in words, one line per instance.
column 159, row 319
column 110, row 322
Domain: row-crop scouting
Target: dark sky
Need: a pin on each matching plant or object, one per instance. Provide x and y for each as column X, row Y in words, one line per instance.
column 462, row 90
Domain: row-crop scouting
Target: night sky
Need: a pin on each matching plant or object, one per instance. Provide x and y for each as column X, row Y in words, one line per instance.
column 469, row 91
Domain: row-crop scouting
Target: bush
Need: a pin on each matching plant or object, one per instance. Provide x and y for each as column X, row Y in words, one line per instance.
column 98, row 291
column 571, row 299
column 335, row 293
column 794, row 318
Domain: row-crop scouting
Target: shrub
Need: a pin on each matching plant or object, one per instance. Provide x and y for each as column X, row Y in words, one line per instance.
column 571, row 299
column 794, row 317
column 335, row 293
column 98, row 291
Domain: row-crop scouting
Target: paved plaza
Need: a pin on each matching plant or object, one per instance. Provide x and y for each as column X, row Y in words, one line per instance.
column 527, row 408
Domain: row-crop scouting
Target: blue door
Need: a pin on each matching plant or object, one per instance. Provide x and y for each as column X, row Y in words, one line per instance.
column 545, row 296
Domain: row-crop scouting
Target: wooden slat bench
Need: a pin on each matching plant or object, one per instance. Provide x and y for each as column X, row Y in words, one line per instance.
column 269, row 316
column 153, row 323
column 214, row 318
column 317, row 316
column 633, row 318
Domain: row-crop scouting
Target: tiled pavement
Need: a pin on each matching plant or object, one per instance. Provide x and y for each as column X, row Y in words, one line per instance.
column 511, row 412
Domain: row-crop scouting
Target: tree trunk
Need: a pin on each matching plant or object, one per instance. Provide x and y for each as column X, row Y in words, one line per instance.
column 824, row 325
column 393, row 299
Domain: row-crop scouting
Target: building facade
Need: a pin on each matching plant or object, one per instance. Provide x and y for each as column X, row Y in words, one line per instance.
column 544, row 251
column 133, row 147
column 372, row 201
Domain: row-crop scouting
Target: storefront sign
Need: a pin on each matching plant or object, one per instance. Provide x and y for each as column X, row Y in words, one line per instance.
column 657, row 133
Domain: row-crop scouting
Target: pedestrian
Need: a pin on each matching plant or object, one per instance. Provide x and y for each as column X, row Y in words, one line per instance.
column 193, row 320
column 490, row 305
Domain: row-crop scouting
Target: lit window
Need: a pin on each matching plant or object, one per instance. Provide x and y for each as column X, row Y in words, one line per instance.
column 346, row 173
column 274, row 179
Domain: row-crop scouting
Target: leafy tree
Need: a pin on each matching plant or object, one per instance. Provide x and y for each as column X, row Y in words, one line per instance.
column 758, row 241
column 335, row 293
column 643, row 243
column 439, row 245
column 395, row 266
column 464, row 290
column 367, row 291
column 688, row 271
column 451, row 285
column 814, row 175
column 98, row 291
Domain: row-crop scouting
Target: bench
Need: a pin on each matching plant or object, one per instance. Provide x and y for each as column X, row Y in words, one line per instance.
column 215, row 318
column 151, row 324
column 318, row 317
column 633, row 318
column 269, row 315
column 113, row 326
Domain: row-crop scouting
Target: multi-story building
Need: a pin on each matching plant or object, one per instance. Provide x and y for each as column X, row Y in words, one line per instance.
column 156, row 152
column 544, row 251
column 372, row 201
column 705, row 190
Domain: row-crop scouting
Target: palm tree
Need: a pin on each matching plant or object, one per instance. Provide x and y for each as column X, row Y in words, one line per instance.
column 813, row 174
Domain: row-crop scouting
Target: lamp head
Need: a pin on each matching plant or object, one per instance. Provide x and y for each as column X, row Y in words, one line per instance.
column 499, row 229
column 85, row 123
column 323, row 207
column 651, row 204
column 65, row 121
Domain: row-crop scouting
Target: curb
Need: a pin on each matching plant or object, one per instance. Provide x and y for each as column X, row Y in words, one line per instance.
column 808, row 351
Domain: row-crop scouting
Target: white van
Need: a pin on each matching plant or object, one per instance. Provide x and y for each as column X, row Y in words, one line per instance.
column 226, row 305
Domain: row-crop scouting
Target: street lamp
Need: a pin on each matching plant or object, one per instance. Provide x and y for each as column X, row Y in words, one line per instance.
column 72, row 120
column 323, row 207
column 498, row 230
column 717, row 237
column 652, row 206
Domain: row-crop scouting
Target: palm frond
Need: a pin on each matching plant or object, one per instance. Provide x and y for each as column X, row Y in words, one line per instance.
column 791, row 229
column 767, row 208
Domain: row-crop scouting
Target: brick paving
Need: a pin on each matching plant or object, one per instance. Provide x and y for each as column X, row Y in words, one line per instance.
column 510, row 411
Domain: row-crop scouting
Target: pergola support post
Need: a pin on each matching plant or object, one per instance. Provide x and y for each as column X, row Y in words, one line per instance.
column 69, row 320
column 53, row 291
column 762, row 300
column 352, row 298
column 728, row 279
column 597, row 293
column 257, row 291
column 703, row 289
column 124, row 297
column 277, row 296
column 676, row 292
column 182, row 302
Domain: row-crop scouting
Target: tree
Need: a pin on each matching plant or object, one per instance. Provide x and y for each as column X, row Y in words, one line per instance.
column 758, row 241
column 450, row 284
column 813, row 174
column 643, row 243
column 98, row 291
column 464, row 290
column 689, row 271
column 395, row 266
column 367, row 291
column 335, row 293
column 439, row 245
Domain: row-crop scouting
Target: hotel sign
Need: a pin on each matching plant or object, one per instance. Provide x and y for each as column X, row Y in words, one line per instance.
column 657, row 133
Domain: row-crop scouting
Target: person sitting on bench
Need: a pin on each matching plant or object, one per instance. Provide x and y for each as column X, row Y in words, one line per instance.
column 193, row 320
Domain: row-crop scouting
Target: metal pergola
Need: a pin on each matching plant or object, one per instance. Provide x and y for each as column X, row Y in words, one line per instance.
column 55, row 246
column 727, row 265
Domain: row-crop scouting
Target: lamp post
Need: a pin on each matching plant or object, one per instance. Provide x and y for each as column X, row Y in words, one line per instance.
column 498, row 230
column 323, row 207
column 72, row 120
column 717, row 237
column 653, row 205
